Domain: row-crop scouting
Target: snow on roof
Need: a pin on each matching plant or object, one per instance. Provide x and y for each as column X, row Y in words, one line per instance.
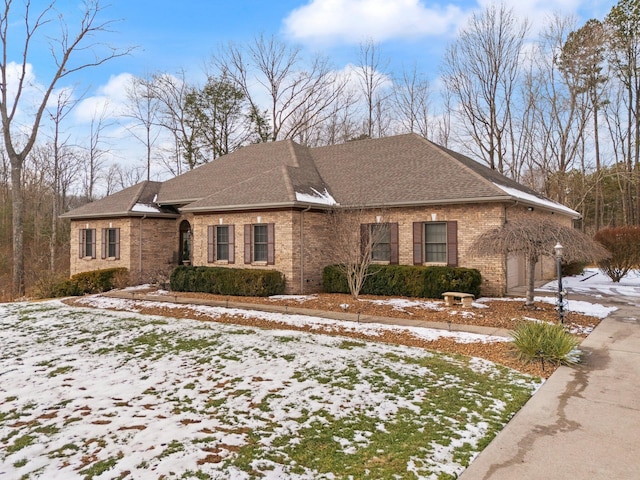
column 145, row 208
column 323, row 198
column 530, row 198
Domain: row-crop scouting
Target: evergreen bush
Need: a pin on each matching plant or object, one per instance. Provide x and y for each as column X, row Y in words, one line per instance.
column 407, row 280
column 227, row 281
column 546, row 342
column 95, row 281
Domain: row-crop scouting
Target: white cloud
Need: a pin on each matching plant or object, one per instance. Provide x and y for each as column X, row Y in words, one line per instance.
column 110, row 100
column 352, row 21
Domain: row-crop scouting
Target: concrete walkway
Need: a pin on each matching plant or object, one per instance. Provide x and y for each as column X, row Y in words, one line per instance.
column 584, row 422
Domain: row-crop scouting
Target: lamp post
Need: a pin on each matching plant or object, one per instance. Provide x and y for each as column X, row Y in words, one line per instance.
column 559, row 250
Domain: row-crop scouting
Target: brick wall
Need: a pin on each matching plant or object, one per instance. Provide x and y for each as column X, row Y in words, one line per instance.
column 303, row 242
column 285, row 235
column 155, row 253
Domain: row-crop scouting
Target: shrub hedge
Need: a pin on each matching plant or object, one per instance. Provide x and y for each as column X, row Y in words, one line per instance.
column 227, row 281
column 407, row 280
column 95, row 281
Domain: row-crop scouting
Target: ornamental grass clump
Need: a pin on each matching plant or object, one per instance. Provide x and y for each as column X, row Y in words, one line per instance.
column 545, row 342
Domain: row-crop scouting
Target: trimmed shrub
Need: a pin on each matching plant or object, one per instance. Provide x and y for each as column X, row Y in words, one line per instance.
column 573, row 268
column 227, row 281
column 407, row 280
column 546, row 342
column 95, row 281
column 624, row 245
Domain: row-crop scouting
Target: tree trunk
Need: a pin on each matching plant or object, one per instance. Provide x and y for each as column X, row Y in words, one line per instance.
column 532, row 279
column 18, row 228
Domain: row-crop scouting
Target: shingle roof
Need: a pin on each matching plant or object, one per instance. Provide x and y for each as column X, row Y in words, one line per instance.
column 392, row 171
column 404, row 169
column 138, row 200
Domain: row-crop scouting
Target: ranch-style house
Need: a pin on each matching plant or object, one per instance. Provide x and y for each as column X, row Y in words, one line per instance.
column 265, row 206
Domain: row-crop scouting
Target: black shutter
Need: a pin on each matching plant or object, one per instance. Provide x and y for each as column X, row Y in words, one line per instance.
column 232, row 252
column 452, row 244
column 117, row 235
column 81, row 242
column 247, row 243
column 418, row 230
column 211, row 244
column 271, row 244
column 364, row 238
column 393, row 240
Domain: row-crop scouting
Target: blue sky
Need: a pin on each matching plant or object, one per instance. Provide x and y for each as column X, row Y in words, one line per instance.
column 172, row 36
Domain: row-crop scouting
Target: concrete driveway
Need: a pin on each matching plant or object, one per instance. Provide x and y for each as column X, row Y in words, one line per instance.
column 584, row 422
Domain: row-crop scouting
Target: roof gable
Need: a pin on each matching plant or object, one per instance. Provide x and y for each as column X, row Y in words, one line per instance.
column 137, row 200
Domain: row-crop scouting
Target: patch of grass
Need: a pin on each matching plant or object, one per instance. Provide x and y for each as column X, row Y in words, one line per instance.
column 173, row 447
column 60, row 452
column 199, row 474
column 286, row 339
column 20, row 443
column 60, row 371
column 350, row 344
column 20, row 463
column 100, row 467
column 50, row 429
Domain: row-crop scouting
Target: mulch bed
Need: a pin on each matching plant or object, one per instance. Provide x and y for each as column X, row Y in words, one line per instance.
column 497, row 314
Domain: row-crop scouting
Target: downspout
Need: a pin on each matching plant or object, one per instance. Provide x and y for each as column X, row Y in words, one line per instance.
column 140, row 249
column 505, row 263
column 302, row 212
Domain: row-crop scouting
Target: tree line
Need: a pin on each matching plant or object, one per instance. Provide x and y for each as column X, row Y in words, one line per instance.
column 557, row 110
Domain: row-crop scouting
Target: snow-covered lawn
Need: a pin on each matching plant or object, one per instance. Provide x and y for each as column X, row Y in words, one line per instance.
column 88, row 393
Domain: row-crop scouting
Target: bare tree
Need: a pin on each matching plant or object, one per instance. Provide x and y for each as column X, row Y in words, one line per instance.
column 481, row 70
column 623, row 27
column 535, row 238
column 119, row 178
column 355, row 241
column 561, row 108
column 144, row 110
column 172, row 91
column 300, row 94
column 68, row 53
column 412, row 103
column 370, row 72
column 583, row 56
column 94, row 157
column 60, row 160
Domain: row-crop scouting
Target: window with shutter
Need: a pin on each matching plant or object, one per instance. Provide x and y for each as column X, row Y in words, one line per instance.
column 385, row 241
column 222, row 243
column 259, row 243
column 87, row 243
column 111, row 243
column 435, row 242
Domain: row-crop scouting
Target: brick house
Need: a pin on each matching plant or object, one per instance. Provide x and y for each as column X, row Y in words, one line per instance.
column 265, row 206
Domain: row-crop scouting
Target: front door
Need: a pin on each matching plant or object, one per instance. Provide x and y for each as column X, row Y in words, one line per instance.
column 184, row 250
